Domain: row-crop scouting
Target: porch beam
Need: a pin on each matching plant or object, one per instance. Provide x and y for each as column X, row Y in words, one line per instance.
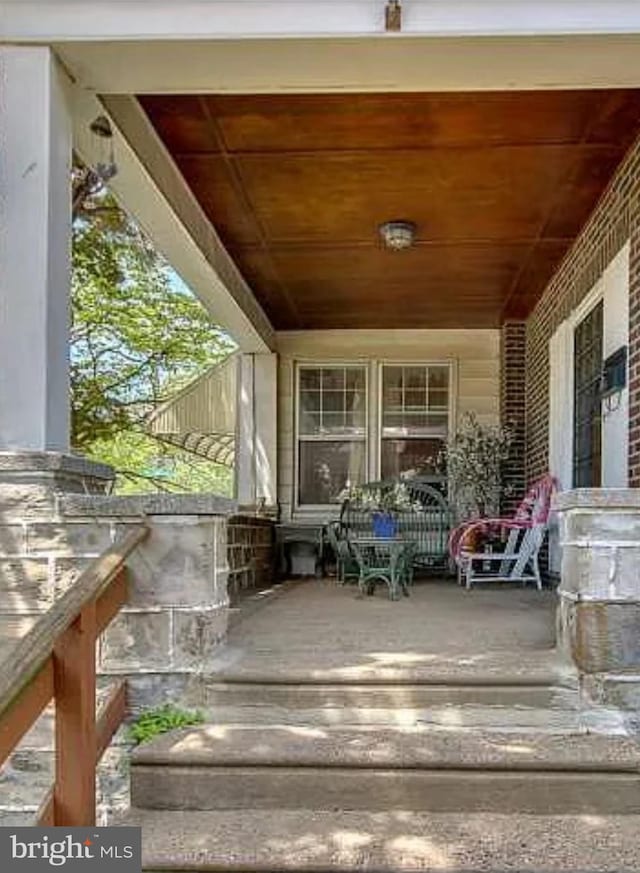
column 380, row 63
column 151, row 188
column 195, row 19
column 256, row 431
column 35, row 237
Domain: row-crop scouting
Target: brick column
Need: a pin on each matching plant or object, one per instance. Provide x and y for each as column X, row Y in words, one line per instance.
column 512, row 407
column 634, row 359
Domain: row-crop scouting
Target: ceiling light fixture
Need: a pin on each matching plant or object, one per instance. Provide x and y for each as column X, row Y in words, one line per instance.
column 398, row 235
column 393, row 16
column 105, row 167
column 89, row 180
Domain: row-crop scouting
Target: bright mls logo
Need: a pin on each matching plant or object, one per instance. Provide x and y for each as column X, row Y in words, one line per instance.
column 105, row 850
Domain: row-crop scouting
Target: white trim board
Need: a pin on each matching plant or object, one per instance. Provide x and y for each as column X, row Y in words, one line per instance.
column 371, row 63
column 166, row 19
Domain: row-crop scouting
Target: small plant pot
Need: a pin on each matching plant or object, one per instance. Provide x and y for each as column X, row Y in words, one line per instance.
column 384, row 525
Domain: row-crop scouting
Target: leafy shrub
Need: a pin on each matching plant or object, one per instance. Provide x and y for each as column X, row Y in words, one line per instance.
column 160, row 720
column 473, row 458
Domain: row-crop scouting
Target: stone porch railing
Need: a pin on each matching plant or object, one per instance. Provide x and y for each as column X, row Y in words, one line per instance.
column 55, row 519
column 599, row 609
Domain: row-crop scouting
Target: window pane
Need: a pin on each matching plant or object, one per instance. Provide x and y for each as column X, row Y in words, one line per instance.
column 310, row 400
column 332, row 422
column 333, row 379
column 333, row 401
column 411, row 396
column 355, row 378
column 392, row 399
column 355, row 421
column 414, row 399
column 438, row 421
column 327, row 468
column 309, row 423
column 415, row 420
column 393, row 420
column 392, row 378
column 415, row 377
column 438, row 378
column 438, row 400
column 400, row 455
column 438, row 388
column 335, row 397
column 309, row 378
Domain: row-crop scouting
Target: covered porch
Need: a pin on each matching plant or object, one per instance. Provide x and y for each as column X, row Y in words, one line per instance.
column 265, row 182
column 325, row 632
column 263, row 153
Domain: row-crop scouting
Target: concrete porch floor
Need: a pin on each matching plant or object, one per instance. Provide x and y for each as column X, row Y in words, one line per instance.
column 318, row 629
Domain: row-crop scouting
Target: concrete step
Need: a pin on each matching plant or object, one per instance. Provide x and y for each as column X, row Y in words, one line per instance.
column 314, row 695
column 469, row 717
column 394, row 841
column 550, row 708
column 259, row 666
column 266, row 767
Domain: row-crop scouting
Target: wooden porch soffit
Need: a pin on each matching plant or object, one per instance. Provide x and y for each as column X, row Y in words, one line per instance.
column 498, row 184
column 201, row 418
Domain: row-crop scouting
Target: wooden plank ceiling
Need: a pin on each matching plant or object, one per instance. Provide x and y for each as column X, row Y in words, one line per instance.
column 498, row 184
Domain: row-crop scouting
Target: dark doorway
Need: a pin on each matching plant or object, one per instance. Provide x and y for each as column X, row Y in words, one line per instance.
column 587, row 406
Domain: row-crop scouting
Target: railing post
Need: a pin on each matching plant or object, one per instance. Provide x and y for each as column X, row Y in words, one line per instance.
column 75, row 698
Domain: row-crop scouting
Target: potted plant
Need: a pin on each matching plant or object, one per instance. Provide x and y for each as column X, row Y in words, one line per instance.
column 383, row 500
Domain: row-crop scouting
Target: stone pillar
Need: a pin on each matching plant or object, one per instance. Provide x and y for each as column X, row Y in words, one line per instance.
column 35, row 234
column 32, row 485
column 599, row 610
column 512, row 408
column 256, row 439
column 177, row 611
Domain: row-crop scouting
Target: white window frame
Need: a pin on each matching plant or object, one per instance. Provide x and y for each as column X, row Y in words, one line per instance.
column 449, row 364
column 300, row 365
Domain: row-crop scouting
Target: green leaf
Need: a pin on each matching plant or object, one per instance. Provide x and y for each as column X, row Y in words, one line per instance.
column 137, row 336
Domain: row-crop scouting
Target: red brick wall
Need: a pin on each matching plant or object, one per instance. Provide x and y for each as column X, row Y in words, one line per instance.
column 615, row 220
column 512, row 408
column 634, row 357
column 250, row 553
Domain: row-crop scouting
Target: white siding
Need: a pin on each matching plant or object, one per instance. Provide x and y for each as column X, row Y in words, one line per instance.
column 476, row 373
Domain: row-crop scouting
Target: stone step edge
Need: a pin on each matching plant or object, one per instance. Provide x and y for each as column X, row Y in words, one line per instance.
column 590, row 768
column 220, row 744
column 444, row 680
column 265, row 841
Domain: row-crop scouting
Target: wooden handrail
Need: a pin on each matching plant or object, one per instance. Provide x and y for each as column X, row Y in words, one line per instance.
column 56, row 659
column 37, row 645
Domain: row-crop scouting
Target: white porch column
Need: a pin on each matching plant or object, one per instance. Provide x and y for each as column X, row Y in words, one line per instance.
column 256, row 441
column 35, row 232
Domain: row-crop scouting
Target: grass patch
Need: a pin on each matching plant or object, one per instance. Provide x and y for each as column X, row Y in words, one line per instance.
column 160, row 720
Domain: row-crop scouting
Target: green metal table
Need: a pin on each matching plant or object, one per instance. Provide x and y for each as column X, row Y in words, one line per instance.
column 384, row 560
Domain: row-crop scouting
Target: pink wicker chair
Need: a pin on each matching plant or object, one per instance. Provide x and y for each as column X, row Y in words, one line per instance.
column 518, row 561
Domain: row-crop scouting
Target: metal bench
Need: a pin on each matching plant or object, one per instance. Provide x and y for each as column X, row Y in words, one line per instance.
column 426, row 525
